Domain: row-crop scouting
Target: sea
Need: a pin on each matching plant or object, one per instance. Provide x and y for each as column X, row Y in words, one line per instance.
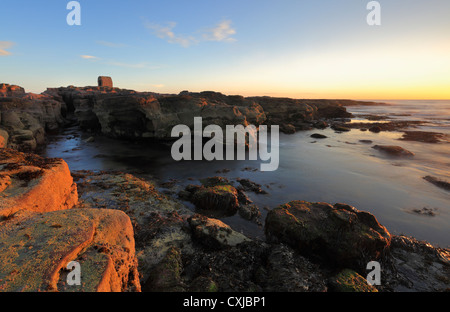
column 338, row 169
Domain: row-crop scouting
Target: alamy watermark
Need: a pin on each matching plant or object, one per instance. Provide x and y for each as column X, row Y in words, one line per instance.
column 74, row 16
column 74, row 276
column 231, row 144
column 374, row 16
column 374, row 276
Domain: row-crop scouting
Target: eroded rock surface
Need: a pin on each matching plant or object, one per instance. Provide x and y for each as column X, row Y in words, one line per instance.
column 26, row 117
column 35, row 249
column 339, row 234
column 32, row 183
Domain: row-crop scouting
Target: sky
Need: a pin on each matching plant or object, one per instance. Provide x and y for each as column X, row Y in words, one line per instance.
column 289, row 48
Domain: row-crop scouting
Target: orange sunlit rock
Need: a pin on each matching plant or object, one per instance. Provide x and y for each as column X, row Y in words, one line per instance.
column 32, row 183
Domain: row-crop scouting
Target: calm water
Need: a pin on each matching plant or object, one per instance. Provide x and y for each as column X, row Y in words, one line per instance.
column 336, row 169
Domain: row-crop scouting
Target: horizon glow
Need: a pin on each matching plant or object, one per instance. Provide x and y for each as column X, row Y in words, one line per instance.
column 299, row 49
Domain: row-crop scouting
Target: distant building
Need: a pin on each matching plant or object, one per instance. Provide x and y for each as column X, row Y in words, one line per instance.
column 104, row 81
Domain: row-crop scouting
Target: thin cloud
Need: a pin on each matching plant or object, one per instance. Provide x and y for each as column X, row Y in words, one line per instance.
column 111, row 44
column 89, row 57
column 166, row 32
column 5, row 45
column 158, row 86
column 221, row 32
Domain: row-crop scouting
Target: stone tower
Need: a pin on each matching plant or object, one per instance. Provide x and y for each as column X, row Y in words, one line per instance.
column 104, row 81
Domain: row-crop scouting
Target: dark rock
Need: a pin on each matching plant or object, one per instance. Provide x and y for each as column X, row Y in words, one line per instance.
column 320, row 124
column 393, row 150
column 417, row 266
column 366, row 141
column 250, row 212
column 333, row 111
column 318, row 136
column 251, row 186
column 287, row 128
column 287, row 271
column 339, row 234
column 340, row 128
column 220, row 198
column 104, row 81
column 439, row 183
column 375, row 129
column 166, row 276
column 425, row 211
column 213, row 233
column 422, row 136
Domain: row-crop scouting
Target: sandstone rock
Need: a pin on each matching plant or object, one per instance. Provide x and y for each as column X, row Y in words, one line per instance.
column 326, row 110
column 32, row 113
column 350, row 281
column 214, row 233
column 35, row 249
column 35, row 184
column 338, row 234
column 393, row 150
column 340, row 128
column 129, row 114
column 158, row 221
column 104, row 81
column 4, row 136
column 7, row 90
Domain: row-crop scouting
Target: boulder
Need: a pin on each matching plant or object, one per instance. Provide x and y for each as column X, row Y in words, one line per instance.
column 423, row 136
column 221, row 198
column 36, row 248
column 213, row 233
column 375, row 129
column 393, row 150
column 33, row 183
column 26, row 117
column 340, row 235
column 158, row 221
column 318, row 136
column 340, row 128
column 7, row 90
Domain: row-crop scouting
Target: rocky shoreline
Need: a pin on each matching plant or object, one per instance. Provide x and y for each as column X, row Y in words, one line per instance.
column 128, row 236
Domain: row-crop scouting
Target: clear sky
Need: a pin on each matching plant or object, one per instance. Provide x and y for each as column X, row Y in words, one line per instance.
column 295, row 48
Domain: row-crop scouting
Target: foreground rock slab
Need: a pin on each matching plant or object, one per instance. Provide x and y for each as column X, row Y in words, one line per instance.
column 32, row 183
column 35, row 249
